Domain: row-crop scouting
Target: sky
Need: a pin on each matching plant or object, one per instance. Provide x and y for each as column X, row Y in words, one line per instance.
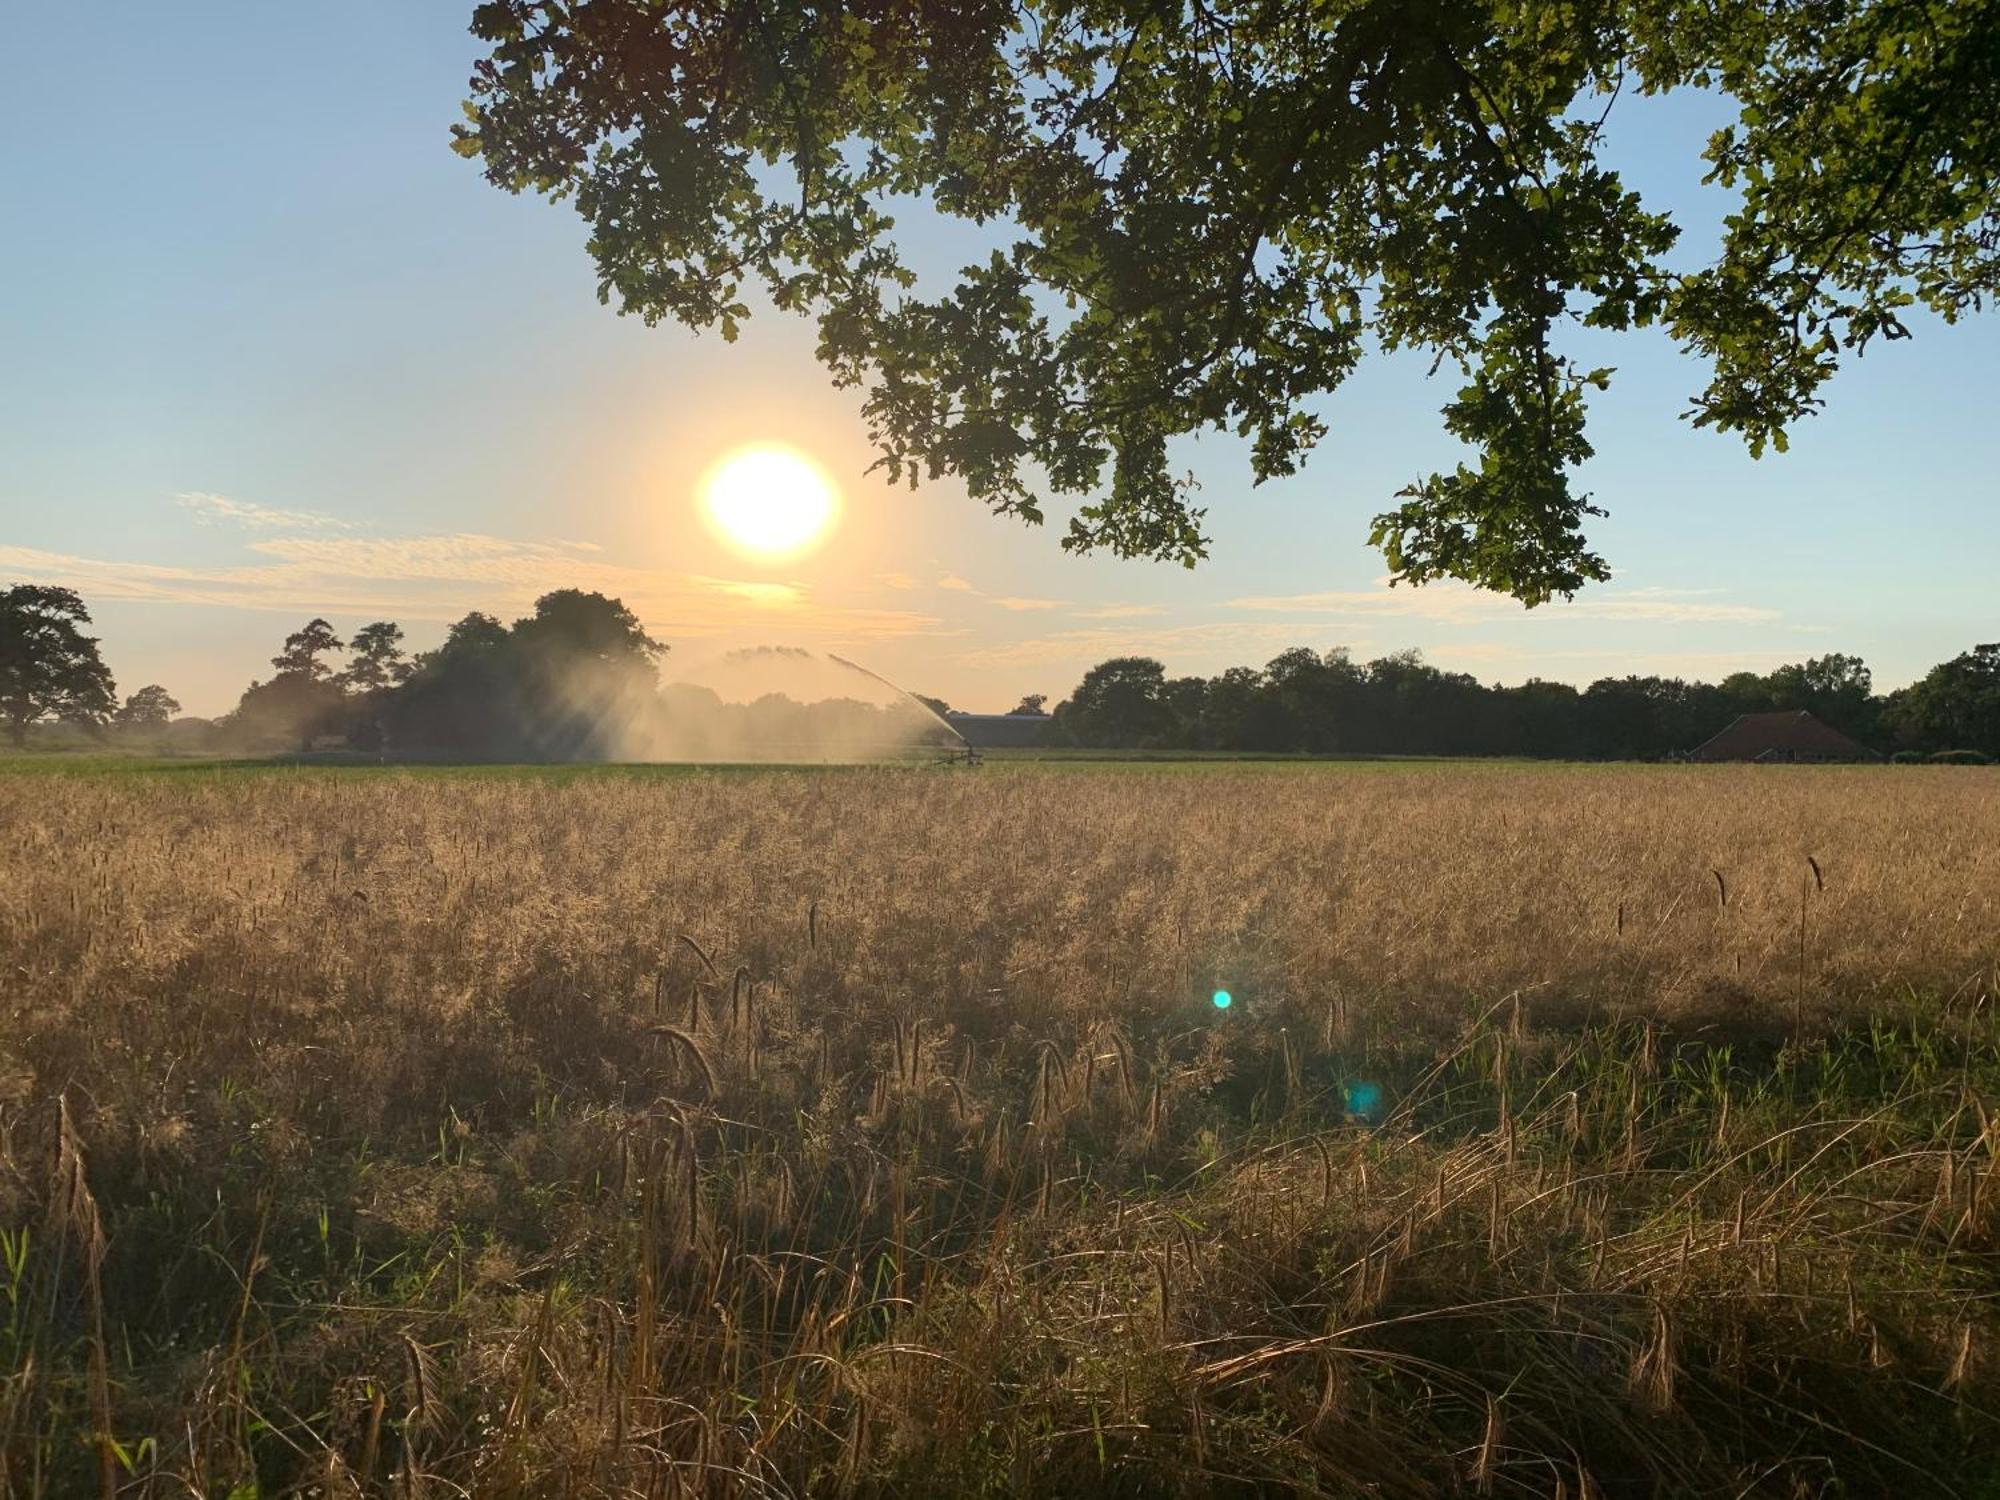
column 269, row 350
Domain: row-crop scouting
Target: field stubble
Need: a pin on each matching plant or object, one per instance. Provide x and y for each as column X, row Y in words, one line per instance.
column 1609, row 1133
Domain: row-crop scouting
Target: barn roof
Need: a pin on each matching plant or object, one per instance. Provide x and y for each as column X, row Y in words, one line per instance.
column 999, row 731
column 1790, row 735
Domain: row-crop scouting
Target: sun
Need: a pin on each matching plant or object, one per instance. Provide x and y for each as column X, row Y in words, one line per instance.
column 769, row 501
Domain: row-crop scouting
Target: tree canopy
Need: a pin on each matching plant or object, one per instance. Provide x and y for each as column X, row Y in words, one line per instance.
column 151, row 708
column 303, row 650
column 1310, row 702
column 1956, row 703
column 49, row 669
column 1213, row 209
column 377, row 658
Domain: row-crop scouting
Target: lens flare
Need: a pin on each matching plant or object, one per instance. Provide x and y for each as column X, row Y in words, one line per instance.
column 1223, row 999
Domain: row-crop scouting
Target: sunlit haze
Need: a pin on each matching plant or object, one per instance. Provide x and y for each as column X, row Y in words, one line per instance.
column 769, row 502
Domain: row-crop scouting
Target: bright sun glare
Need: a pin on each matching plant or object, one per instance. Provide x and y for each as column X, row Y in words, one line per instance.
column 769, row 501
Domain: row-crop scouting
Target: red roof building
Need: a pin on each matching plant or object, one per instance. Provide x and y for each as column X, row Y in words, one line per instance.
column 1781, row 738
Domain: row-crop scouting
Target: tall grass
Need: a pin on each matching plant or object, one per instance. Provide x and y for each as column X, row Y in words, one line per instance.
column 1624, row 1133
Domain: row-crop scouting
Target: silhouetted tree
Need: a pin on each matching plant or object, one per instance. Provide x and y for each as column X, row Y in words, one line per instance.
column 376, row 658
column 1319, row 697
column 375, row 665
column 1121, row 702
column 1324, row 702
column 1538, row 719
column 147, row 711
column 1240, row 201
column 461, row 699
column 586, row 672
column 303, row 701
column 1187, row 701
column 303, row 650
column 1836, row 688
column 1954, row 706
column 574, row 680
column 1239, row 712
column 573, row 625
column 1031, row 704
column 1744, row 693
column 1644, row 718
column 49, row 669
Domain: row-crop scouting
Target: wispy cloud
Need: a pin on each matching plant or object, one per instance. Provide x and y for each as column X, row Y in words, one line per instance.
column 764, row 595
column 896, row 580
column 1027, row 604
column 439, row 578
column 953, row 581
column 220, row 510
column 1118, row 612
column 1664, row 604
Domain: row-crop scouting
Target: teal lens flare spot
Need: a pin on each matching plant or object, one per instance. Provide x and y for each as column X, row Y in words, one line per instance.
column 1223, row 999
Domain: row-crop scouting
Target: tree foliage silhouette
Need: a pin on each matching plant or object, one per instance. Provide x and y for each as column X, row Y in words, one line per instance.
column 49, row 669
column 304, row 699
column 1211, row 211
column 151, row 708
column 376, row 658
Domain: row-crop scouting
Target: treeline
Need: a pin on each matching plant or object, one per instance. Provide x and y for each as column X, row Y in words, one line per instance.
column 577, row 679
column 547, row 687
column 1326, row 703
column 562, row 683
column 51, row 672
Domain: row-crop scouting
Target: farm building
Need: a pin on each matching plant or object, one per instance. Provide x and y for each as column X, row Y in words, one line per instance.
column 1781, row 737
column 999, row 731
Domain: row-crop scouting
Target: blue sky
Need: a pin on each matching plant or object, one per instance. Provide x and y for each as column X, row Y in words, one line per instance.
column 268, row 349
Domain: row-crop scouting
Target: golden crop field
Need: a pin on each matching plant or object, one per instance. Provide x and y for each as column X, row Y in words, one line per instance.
column 1587, row 1132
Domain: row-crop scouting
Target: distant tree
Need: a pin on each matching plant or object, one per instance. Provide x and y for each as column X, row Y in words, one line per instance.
column 1641, row 718
column 1239, row 711
column 1121, row 702
column 587, row 675
column 291, row 708
column 1538, row 718
column 150, row 709
column 1216, row 211
column 576, row 625
column 1743, row 693
column 376, row 658
column 304, row 700
column 49, row 669
column 463, row 698
column 1399, row 693
column 575, row 679
column 476, row 632
column 1187, row 702
column 303, row 650
column 936, row 705
column 1032, row 704
column 1319, row 694
column 1954, row 706
column 376, row 665
column 1323, row 702
column 1838, row 689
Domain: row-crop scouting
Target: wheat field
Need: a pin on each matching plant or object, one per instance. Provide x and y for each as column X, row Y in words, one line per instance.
column 1582, row 1132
